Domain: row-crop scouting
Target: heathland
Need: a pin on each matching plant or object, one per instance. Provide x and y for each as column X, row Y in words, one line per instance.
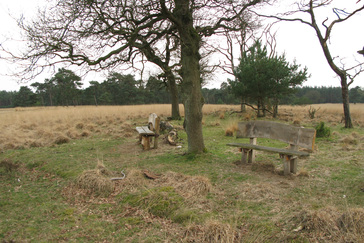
column 56, row 164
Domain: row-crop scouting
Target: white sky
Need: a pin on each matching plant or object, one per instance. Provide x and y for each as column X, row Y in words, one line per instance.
column 298, row 41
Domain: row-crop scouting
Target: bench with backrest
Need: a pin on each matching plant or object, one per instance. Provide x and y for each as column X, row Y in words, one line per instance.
column 295, row 136
column 146, row 133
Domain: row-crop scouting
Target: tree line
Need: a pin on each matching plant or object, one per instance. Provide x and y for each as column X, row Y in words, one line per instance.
column 64, row 89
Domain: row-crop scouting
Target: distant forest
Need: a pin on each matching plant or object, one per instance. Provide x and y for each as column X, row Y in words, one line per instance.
column 120, row 89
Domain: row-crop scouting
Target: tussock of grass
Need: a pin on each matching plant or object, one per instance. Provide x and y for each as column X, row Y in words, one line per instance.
column 355, row 135
column 212, row 231
column 349, row 140
column 231, row 126
column 352, row 221
column 222, row 115
column 229, row 132
column 36, row 144
column 95, row 181
column 134, row 180
column 187, row 186
column 72, row 133
column 61, row 139
column 296, row 122
column 159, row 201
column 329, row 224
column 303, row 173
column 8, row 165
column 321, row 221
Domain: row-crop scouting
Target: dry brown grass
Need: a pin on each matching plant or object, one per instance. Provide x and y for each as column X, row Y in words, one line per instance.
column 329, row 224
column 133, row 181
column 331, row 113
column 231, row 126
column 47, row 126
column 187, row 186
column 96, row 180
column 212, row 231
column 40, row 126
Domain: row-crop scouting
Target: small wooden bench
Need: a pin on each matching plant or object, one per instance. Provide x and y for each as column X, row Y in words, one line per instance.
column 295, row 136
column 147, row 132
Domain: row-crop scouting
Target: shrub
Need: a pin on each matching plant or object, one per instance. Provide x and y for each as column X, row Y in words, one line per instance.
column 312, row 111
column 322, row 131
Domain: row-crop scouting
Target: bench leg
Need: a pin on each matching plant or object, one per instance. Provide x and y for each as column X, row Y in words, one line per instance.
column 293, row 159
column 244, row 155
column 251, row 155
column 286, row 164
column 293, row 164
column 252, row 152
column 145, row 142
column 247, row 155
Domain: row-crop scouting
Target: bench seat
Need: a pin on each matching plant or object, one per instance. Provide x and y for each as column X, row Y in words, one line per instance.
column 147, row 132
column 144, row 131
column 270, row 149
column 295, row 137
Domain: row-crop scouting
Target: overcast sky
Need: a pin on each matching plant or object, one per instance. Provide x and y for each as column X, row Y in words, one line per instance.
column 298, row 41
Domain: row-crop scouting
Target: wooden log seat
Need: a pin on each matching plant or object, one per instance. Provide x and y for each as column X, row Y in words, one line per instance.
column 147, row 132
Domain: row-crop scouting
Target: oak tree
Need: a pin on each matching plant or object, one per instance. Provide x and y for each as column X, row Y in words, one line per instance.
column 101, row 34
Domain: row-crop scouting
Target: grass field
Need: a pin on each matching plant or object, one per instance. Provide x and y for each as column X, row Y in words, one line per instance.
column 56, row 165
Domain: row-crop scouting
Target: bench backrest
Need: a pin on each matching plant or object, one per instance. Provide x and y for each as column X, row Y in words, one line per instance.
column 303, row 137
column 152, row 121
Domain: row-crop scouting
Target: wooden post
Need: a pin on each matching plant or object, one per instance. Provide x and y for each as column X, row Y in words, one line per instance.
column 252, row 151
column 293, row 159
column 145, row 142
column 244, row 155
column 156, row 131
column 286, row 164
column 293, row 164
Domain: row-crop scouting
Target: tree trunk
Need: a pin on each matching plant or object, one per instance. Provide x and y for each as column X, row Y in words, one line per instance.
column 190, row 73
column 174, row 97
column 340, row 72
column 261, row 108
column 242, row 105
column 95, row 100
column 346, row 103
column 275, row 108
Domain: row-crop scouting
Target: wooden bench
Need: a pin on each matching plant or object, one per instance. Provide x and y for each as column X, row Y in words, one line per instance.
column 146, row 133
column 295, row 136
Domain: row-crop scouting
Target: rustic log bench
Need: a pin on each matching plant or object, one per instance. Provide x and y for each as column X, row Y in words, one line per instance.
column 146, row 133
column 295, row 136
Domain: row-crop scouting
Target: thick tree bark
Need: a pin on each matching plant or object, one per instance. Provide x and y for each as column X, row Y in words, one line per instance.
column 190, row 73
column 174, row 97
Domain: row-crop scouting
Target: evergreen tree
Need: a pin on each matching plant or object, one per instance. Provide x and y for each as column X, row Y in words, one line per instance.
column 262, row 79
